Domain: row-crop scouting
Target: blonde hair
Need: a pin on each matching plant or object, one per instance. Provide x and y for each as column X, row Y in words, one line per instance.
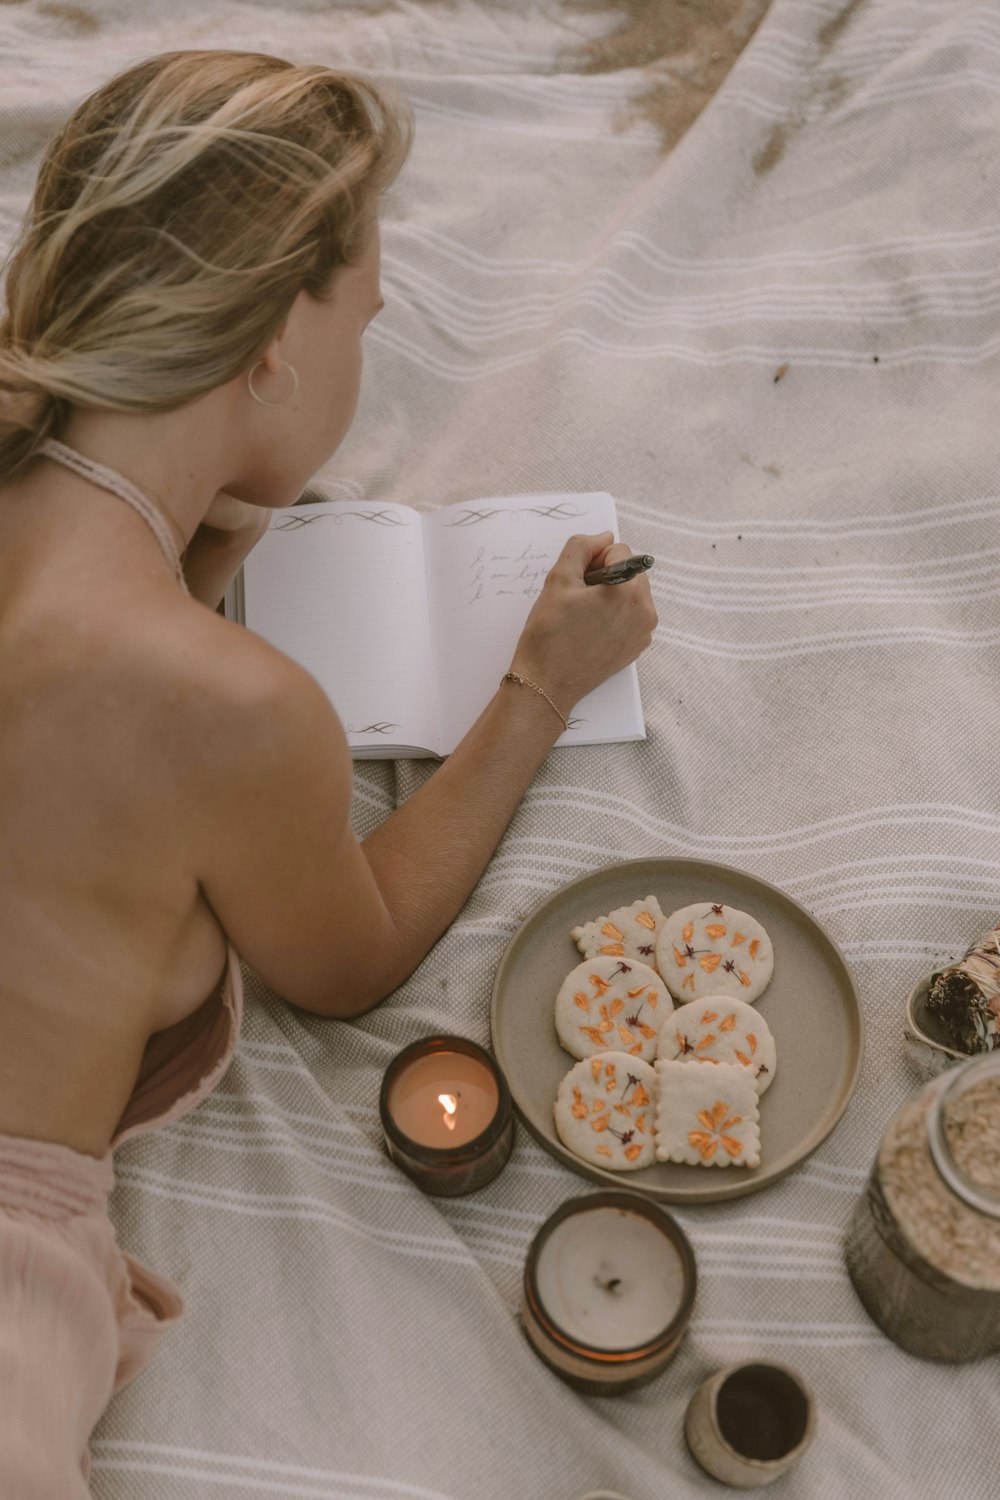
column 176, row 216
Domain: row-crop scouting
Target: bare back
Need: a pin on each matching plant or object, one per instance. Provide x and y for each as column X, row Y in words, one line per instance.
column 106, row 684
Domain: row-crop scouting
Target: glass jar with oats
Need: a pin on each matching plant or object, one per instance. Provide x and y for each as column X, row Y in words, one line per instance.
column 923, row 1246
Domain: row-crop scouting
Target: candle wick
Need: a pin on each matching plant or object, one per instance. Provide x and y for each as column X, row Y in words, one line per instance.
column 612, row 1285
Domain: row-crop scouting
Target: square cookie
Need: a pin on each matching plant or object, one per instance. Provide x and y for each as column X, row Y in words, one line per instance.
column 629, row 932
column 707, row 1114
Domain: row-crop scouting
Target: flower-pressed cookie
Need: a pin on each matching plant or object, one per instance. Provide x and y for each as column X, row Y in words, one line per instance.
column 707, row 1116
column 629, row 932
column 710, row 949
column 604, row 1111
column 611, row 1005
column 720, row 1030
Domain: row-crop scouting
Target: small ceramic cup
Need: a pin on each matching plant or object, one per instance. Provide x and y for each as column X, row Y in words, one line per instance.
column 749, row 1423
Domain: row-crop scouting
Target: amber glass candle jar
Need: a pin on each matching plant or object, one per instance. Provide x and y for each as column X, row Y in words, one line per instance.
column 609, row 1285
column 446, row 1115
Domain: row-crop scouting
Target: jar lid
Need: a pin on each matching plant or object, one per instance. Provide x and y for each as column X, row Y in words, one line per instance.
column 944, row 1129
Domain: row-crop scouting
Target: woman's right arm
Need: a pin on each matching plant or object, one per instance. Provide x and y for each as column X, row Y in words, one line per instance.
column 333, row 925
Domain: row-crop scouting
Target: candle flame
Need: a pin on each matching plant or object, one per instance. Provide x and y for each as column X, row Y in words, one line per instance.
column 449, row 1104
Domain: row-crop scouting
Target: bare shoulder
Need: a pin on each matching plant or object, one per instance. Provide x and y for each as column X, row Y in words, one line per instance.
column 251, row 707
column 268, row 797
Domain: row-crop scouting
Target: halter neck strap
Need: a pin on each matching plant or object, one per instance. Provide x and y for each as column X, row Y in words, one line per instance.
column 117, row 484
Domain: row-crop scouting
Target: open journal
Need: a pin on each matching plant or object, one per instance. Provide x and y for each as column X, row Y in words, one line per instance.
column 408, row 619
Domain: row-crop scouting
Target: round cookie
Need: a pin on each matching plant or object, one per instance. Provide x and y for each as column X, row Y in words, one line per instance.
column 709, row 949
column 611, row 1005
column 604, row 1112
column 720, row 1030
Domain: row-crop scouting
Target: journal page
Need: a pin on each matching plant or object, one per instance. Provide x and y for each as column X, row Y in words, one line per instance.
column 486, row 563
column 340, row 588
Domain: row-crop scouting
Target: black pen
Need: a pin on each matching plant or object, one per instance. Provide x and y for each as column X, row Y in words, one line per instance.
column 620, row 572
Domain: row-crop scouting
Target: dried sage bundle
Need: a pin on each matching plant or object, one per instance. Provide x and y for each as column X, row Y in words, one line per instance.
column 965, row 997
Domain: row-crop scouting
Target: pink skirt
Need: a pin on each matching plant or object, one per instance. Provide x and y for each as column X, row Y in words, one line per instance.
column 78, row 1318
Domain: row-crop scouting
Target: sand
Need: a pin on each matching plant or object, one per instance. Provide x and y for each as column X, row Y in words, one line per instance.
column 685, row 49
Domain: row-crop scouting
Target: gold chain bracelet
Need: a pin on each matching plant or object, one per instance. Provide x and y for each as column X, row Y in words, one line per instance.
column 516, row 677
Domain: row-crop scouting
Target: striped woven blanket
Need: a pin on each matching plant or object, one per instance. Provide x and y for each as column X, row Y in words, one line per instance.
column 736, row 264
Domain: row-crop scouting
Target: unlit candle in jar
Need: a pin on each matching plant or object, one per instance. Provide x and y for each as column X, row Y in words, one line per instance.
column 444, row 1099
column 609, row 1278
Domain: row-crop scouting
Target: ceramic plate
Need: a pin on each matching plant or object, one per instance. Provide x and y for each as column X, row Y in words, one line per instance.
column 810, row 1005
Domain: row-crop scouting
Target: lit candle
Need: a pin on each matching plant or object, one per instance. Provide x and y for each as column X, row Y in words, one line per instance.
column 446, row 1115
column 609, row 1285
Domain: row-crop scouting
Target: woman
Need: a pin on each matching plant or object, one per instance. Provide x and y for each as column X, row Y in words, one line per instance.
column 181, row 351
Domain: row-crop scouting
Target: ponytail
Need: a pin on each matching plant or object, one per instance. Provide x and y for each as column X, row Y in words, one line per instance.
column 28, row 415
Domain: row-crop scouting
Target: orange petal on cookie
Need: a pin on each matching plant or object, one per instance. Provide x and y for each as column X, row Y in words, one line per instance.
column 706, row 1041
column 610, row 930
column 688, row 983
column 679, row 958
column 632, row 993
column 742, row 1057
column 617, row 1006
column 622, row 1109
column 615, row 949
column 581, row 1000
column 631, row 1152
column 595, row 1068
column 687, row 932
column 728, row 1023
column 604, row 1151
column 594, row 1034
column 649, row 1032
column 738, row 938
column 600, row 984
column 601, row 1123
column 752, row 1041
column 715, row 929
column 719, row 1112
column 744, row 978
column 709, row 1017
column 579, row 1107
column 597, row 1106
column 640, row 1124
column 706, row 1144
column 710, row 962
column 627, row 1036
column 651, row 998
column 639, row 1096
column 752, row 950
column 733, row 1147
column 645, row 920
column 707, row 1119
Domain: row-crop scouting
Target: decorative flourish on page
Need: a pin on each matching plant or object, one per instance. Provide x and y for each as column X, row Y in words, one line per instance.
column 380, row 727
column 292, row 522
column 472, row 514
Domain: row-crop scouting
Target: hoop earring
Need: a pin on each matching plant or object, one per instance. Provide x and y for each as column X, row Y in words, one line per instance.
column 291, row 394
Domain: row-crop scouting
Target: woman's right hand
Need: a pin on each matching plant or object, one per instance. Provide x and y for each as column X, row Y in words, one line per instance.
column 577, row 635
